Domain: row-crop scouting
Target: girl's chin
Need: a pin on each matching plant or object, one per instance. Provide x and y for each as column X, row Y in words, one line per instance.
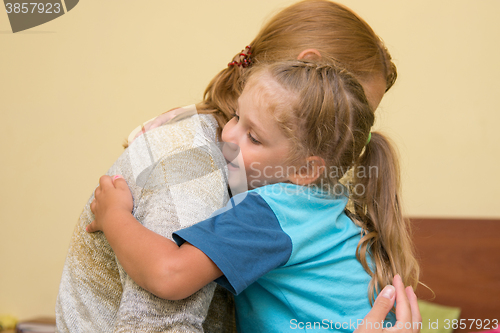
column 237, row 180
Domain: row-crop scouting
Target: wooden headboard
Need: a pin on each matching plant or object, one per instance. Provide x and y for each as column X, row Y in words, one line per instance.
column 460, row 262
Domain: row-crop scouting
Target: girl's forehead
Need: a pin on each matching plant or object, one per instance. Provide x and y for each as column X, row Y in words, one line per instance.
column 260, row 80
column 266, row 91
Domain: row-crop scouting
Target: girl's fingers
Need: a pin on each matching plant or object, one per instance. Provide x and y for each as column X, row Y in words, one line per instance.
column 120, row 183
column 92, row 206
column 115, row 178
column 97, row 191
column 105, row 181
column 91, row 227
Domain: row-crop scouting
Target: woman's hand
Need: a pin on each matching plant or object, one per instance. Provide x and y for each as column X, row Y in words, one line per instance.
column 112, row 197
column 407, row 312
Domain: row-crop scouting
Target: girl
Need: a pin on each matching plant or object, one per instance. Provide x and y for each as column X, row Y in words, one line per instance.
column 298, row 127
column 93, row 291
column 306, row 30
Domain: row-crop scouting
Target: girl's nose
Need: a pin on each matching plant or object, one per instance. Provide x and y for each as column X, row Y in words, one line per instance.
column 229, row 132
column 230, row 140
column 230, row 150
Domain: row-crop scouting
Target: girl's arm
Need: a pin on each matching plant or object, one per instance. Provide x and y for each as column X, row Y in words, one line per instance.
column 154, row 262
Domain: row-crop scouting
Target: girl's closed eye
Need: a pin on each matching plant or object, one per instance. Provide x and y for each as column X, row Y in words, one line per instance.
column 252, row 139
column 250, row 136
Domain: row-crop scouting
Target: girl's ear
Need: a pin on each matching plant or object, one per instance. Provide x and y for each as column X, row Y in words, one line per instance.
column 310, row 172
column 309, row 54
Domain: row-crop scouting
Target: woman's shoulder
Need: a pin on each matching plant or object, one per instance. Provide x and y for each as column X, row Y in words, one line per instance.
column 176, row 116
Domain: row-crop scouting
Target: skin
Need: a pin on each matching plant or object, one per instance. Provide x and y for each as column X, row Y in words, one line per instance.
column 406, row 310
column 374, row 87
column 374, row 90
column 151, row 259
column 253, row 134
column 254, row 143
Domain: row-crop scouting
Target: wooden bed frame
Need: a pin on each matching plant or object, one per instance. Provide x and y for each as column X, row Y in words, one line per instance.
column 460, row 262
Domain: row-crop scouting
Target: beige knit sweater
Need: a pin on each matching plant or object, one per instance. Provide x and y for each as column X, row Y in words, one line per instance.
column 177, row 177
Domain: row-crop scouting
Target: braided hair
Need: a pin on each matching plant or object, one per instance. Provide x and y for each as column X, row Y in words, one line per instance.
column 325, row 113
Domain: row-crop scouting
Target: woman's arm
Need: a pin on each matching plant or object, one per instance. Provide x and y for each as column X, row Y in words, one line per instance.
column 154, row 262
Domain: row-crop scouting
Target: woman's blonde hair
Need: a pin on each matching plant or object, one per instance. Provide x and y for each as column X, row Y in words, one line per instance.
column 324, row 112
column 332, row 29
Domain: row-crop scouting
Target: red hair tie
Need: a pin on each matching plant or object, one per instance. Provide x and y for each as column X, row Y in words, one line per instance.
column 245, row 60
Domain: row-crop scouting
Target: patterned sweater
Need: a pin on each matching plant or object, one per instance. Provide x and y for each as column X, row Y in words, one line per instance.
column 177, row 177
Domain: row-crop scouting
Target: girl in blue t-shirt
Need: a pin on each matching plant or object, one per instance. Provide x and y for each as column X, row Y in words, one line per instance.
column 288, row 248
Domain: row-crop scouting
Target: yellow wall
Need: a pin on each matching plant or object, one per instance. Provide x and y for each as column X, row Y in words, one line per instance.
column 72, row 89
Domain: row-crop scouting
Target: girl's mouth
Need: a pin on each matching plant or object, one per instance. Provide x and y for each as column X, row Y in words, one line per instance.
column 231, row 165
column 230, row 152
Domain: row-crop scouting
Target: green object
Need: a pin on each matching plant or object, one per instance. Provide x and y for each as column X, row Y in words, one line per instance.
column 369, row 138
column 7, row 322
column 438, row 318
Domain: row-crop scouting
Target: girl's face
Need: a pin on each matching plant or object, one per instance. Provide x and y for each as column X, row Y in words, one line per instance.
column 255, row 145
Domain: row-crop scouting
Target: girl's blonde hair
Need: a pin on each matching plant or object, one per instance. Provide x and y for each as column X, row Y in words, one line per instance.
column 332, row 29
column 325, row 113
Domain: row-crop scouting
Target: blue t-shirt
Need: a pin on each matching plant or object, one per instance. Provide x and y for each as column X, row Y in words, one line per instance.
column 289, row 254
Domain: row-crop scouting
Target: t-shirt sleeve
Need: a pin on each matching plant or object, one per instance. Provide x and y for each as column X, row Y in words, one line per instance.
column 244, row 240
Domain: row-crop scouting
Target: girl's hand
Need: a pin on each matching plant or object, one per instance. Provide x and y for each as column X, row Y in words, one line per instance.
column 112, row 198
column 407, row 312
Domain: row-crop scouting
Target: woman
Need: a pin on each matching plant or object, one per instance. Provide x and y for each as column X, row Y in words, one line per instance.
column 163, row 171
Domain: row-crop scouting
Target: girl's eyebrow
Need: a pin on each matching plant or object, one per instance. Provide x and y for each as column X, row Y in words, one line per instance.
column 255, row 127
column 259, row 131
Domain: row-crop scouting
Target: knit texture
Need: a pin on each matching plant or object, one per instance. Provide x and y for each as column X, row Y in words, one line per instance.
column 177, row 176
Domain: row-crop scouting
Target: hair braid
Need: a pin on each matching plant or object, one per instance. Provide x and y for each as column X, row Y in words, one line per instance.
column 325, row 113
column 330, row 28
